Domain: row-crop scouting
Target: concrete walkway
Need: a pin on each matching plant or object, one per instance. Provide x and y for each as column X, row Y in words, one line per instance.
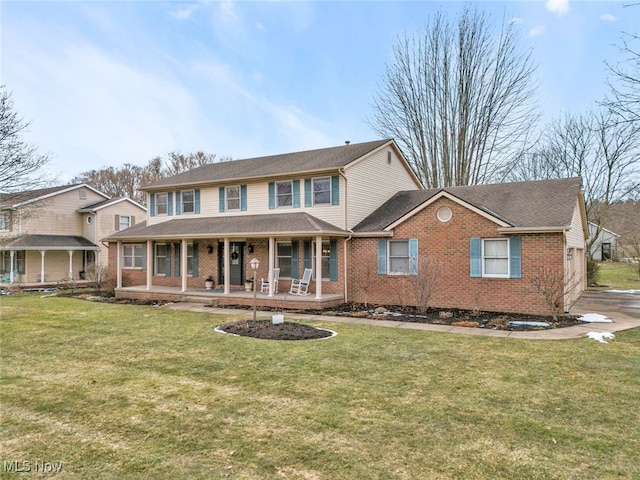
column 622, row 308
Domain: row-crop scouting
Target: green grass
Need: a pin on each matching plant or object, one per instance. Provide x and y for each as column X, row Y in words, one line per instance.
column 115, row 391
column 618, row 275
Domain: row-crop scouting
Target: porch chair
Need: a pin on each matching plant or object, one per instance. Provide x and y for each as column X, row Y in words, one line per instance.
column 301, row 286
column 264, row 288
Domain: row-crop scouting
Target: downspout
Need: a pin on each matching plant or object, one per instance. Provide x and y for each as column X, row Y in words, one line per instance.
column 346, row 225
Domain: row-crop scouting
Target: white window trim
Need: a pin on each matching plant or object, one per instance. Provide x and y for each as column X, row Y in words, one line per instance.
column 277, row 203
column 193, row 202
column 277, row 257
column 313, row 191
column 226, row 198
column 133, row 256
column 158, row 195
column 482, row 258
column 120, row 226
column 164, row 259
column 389, row 271
column 5, row 221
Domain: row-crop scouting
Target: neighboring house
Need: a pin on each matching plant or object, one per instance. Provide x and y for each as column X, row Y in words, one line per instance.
column 53, row 234
column 604, row 247
column 357, row 216
column 624, row 219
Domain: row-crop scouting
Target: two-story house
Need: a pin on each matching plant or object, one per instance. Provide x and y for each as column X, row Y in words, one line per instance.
column 53, row 234
column 357, row 217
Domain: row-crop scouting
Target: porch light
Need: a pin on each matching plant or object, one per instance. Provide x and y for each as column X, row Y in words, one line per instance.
column 569, row 254
column 209, row 249
column 255, row 263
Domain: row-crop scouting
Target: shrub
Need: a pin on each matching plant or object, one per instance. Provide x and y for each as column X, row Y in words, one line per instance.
column 593, row 273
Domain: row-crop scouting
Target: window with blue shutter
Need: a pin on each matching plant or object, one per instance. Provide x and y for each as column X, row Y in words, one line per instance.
column 170, row 203
column 335, row 190
column 515, row 247
column 295, row 271
column 307, row 192
column 152, row 204
column 333, row 260
column 196, row 201
column 272, row 195
column 382, row 257
column 178, row 203
column 475, row 248
column 176, row 260
column 243, row 198
column 296, row 194
column 413, row 256
column 222, row 205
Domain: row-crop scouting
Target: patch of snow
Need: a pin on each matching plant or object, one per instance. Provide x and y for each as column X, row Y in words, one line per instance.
column 530, row 324
column 594, row 318
column 601, row 337
column 633, row 292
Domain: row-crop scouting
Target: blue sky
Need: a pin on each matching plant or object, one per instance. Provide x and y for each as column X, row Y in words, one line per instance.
column 108, row 83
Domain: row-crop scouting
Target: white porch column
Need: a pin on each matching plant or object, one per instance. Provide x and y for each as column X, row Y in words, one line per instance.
column 12, row 263
column 227, row 267
column 118, row 265
column 271, row 264
column 42, row 252
column 70, row 264
column 149, row 264
column 318, row 267
column 183, row 264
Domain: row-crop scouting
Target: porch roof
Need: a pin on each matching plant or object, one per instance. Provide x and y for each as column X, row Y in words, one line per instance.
column 280, row 224
column 48, row 242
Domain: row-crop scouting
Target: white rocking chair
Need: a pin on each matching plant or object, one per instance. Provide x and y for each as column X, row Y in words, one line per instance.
column 264, row 288
column 301, row 286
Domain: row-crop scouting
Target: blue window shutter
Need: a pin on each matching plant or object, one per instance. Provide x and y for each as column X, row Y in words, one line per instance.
column 515, row 256
column 296, row 194
column 196, row 201
column 221, row 198
column 167, row 259
column 382, row 257
column 307, row 254
column 243, row 198
column 413, row 256
column 333, row 261
column 335, row 190
column 194, row 262
column 144, row 255
column 272, row 195
column 294, row 259
column 307, row 192
column 475, row 249
column 170, row 203
column 176, row 260
column 152, row 202
column 178, row 203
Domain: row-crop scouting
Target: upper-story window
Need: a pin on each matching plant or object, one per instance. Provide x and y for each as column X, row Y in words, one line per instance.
column 124, row 221
column 233, row 197
column 284, row 194
column 187, row 199
column 162, row 203
column 322, row 190
column 5, row 221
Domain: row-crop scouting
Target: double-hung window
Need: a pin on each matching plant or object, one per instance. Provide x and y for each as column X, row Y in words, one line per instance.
column 162, row 203
column 398, row 257
column 132, row 255
column 161, row 260
column 5, row 221
column 284, row 195
column 188, row 201
column 283, row 258
column 124, row 222
column 233, row 197
column 322, row 191
column 495, row 257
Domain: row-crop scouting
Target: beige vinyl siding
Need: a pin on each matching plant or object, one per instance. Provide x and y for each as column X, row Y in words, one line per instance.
column 575, row 235
column 57, row 215
column 56, row 266
column 372, row 181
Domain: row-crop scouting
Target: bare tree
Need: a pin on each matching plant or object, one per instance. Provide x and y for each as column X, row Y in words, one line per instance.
column 458, row 99
column 555, row 287
column 430, row 272
column 20, row 163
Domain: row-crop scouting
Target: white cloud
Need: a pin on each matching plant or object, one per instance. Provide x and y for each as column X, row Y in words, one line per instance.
column 558, row 6
column 607, row 17
column 536, row 31
column 515, row 20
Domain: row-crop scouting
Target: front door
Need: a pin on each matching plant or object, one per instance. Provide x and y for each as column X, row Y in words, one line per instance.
column 236, row 262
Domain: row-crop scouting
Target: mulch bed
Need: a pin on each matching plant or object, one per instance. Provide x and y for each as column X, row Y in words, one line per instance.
column 265, row 329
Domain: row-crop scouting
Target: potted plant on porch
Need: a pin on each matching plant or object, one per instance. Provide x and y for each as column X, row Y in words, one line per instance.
column 248, row 284
column 208, row 283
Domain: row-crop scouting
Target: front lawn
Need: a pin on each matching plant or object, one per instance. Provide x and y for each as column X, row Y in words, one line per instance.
column 619, row 275
column 123, row 391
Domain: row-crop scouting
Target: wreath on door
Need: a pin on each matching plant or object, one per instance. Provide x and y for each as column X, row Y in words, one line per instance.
column 234, row 256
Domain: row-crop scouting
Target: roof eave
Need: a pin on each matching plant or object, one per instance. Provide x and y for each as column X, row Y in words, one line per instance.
column 510, row 230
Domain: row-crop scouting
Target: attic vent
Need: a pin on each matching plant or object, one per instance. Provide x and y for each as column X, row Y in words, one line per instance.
column 347, row 142
column 83, row 194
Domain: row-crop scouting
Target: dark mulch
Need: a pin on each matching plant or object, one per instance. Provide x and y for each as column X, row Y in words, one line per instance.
column 265, row 329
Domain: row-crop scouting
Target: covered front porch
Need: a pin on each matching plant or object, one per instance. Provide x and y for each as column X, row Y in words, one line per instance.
column 217, row 297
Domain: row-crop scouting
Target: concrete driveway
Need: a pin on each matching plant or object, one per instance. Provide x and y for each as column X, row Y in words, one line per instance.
column 622, row 308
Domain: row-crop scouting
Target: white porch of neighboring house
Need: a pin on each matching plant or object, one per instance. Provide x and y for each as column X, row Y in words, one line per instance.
column 37, row 260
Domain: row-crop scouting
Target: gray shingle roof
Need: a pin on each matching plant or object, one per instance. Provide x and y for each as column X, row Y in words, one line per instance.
column 299, row 223
column 536, row 204
column 48, row 242
column 274, row 165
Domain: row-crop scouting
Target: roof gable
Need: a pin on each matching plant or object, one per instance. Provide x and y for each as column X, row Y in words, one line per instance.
column 308, row 161
column 539, row 204
column 18, row 199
